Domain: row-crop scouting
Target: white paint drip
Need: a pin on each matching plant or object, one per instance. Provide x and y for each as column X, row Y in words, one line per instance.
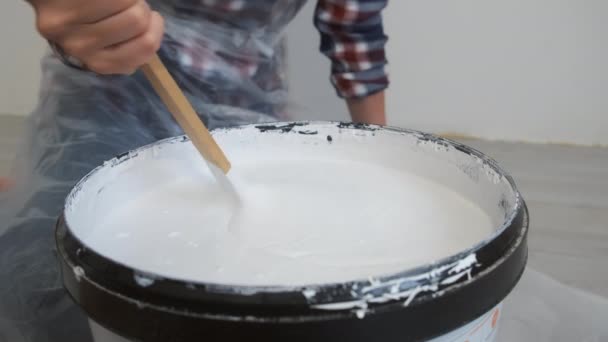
column 413, row 287
column 144, row 280
column 309, row 293
column 78, row 273
column 464, row 267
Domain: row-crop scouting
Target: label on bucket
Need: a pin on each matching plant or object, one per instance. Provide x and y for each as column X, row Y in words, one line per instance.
column 482, row 329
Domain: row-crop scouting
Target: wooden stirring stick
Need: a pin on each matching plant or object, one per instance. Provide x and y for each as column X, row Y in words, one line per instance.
column 184, row 114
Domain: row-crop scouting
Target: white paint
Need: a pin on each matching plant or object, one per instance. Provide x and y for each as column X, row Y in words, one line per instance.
column 78, row 273
column 300, row 222
column 313, row 212
column 22, row 49
column 512, row 70
column 144, row 281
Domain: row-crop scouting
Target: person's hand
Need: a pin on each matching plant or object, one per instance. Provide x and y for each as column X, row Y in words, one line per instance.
column 107, row 36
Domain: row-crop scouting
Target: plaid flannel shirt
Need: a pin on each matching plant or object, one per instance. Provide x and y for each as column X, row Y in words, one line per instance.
column 352, row 36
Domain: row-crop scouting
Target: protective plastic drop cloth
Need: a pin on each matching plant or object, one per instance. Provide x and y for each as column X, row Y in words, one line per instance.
column 238, row 78
column 232, row 70
column 541, row 309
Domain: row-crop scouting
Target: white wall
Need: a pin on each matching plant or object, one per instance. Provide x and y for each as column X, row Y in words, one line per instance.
column 513, row 70
column 20, row 53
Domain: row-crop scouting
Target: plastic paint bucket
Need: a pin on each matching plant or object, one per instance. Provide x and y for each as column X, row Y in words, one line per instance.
column 457, row 298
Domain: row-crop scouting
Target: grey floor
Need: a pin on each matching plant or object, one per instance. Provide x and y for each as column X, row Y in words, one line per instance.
column 566, row 189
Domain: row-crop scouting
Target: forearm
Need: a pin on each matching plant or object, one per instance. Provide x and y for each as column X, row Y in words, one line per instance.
column 370, row 109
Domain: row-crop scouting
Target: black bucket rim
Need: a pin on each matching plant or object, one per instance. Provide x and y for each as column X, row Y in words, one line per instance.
column 88, row 274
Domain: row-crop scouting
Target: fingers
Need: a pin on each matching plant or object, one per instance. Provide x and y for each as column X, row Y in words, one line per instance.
column 56, row 17
column 95, row 11
column 126, row 57
column 88, row 39
column 107, row 36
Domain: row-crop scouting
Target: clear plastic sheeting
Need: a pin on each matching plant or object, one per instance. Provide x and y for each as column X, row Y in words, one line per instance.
column 543, row 309
column 83, row 119
column 231, row 69
column 233, row 57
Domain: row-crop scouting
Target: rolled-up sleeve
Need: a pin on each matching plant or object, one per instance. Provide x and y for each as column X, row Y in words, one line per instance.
column 352, row 36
